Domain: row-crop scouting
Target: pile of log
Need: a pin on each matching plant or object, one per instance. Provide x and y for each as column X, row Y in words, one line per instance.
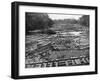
column 73, row 61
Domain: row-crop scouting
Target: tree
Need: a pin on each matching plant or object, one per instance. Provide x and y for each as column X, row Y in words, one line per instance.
column 37, row 21
column 84, row 20
column 66, row 21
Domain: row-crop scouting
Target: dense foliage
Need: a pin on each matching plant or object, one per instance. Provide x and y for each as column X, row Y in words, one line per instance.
column 84, row 20
column 36, row 21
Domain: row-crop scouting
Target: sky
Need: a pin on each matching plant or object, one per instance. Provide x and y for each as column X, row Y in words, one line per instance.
column 63, row 16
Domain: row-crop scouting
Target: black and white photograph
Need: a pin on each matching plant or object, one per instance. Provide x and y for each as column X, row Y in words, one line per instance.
column 50, row 40
column 56, row 40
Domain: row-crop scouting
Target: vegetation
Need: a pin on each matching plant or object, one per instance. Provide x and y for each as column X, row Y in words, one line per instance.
column 42, row 22
column 84, row 20
column 66, row 21
column 37, row 21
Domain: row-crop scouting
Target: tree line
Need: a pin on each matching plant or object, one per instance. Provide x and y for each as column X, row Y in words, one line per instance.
column 37, row 21
column 41, row 21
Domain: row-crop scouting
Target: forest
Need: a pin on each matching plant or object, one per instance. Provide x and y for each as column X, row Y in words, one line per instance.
column 44, row 24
